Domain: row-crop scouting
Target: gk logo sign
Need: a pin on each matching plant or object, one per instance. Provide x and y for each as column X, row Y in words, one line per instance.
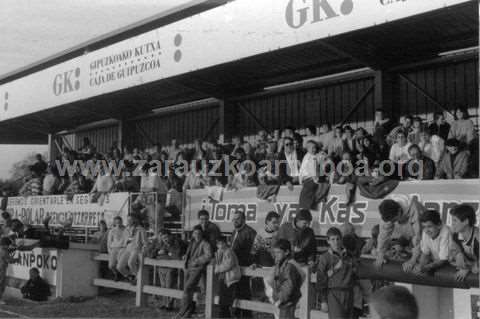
column 66, row 82
column 299, row 12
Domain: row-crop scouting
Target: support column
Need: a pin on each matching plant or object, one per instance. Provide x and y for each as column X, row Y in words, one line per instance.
column 120, row 135
column 50, row 152
column 227, row 124
column 385, row 83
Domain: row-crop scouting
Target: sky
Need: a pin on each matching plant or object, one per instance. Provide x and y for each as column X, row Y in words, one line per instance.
column 34, row 29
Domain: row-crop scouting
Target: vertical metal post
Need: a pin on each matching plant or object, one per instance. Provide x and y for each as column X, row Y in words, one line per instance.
column 209, row 293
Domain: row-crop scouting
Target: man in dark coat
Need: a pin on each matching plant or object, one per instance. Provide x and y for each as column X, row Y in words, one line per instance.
column 243, row 238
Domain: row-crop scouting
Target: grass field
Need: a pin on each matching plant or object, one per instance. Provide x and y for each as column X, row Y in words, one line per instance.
column 117, row 305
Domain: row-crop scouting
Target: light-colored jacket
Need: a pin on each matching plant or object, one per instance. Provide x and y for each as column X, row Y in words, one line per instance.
column 226, row 263
column 409, row 226
column 456, row 169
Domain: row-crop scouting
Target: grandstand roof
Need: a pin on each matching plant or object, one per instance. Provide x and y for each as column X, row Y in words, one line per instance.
column 220, row 60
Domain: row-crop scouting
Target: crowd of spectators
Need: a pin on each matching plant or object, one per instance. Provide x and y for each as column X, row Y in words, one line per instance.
column 436, row 150
column 408, row 235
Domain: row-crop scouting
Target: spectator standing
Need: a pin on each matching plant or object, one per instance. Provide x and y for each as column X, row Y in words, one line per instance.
column 211, row 232
column 128, row 261
column 243, row 237
column 414, row 135
column 33, row 187
column 5, row 259
column 228, row 274
column 336, row 278
column 400, row 217
column 435, row 244
column 465, row 240
column 170, row 248
column 287, row 280
column 197, row 257
column 301, row 238
column 405, row 127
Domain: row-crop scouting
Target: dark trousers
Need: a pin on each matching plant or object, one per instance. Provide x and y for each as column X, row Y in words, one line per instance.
column 340, row 303
column 227, row 296
column 191, row 283
column 287, row 312
column 243, row 292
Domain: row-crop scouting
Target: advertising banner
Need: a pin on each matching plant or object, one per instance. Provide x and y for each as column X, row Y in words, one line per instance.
column 363, row 213
column 80, row 210
column 45, row 260
column 234, row 31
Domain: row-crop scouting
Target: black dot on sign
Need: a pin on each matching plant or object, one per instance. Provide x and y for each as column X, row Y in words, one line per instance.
column 178, row 40
column 178, row 56
column 77, row 85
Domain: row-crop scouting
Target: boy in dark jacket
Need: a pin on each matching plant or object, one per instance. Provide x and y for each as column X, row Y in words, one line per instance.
column 301, row 238
column 286, row 281
column 336, row 278
column 36, row 288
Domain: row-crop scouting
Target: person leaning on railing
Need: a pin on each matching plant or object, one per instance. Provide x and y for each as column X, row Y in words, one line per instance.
column 129, row 258
column 116, row 242
column 197, row 257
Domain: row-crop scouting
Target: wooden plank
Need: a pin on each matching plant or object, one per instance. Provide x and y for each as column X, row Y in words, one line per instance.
column 140, row 298
column 178, row 264
column 253, row 306
column 101, row 257
column 259, row 272
column 166, row 292
column 114, row 284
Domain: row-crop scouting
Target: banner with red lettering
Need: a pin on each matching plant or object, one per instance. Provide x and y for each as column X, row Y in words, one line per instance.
column 80, row 210
column 363, row 213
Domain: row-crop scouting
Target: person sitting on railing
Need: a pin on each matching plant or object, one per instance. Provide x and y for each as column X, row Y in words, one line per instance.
column 336, row 277
column 170, row 248
column 198, row 255
column 393, row 302
column 101, row 237
column 228, row 274
column 435, row 244
column 36, row 288
column 465, row 241
column 116, row 243
column 400, row 216
column 301, row 237
column 287, row 280
column 454, row 163
column 128, row 260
